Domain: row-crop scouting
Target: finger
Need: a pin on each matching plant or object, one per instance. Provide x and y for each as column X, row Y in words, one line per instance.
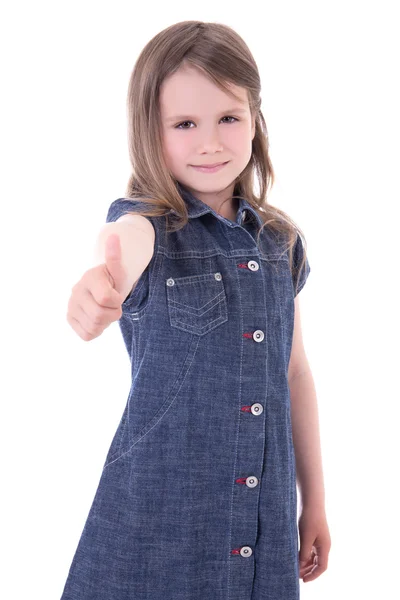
column 306, row 569
column 319, row 566
column 94, row 309
column 305, row 566
column 113, row 261
column 323, row 554
column 97, row 319
column 313, row 573
column 77, row 327
column 89, row 314
column 306, row 561
column 103, row 293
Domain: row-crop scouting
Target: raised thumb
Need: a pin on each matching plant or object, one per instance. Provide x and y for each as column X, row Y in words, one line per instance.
column 113, row 261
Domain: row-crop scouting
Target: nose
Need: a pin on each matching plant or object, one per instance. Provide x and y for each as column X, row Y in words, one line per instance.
column 210, row 141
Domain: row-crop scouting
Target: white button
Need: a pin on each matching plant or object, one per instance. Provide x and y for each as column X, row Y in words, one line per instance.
column 251, row 481
column 253, row 265
column 170, row 281
column 218, row 276
column 258, row 335
column 257, row 409
column 246, row 551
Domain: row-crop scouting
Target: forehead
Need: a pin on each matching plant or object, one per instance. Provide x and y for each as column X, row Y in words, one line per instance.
column 188, row 88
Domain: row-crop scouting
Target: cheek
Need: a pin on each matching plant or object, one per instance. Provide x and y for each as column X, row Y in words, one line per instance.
column 176, row 148
column 238, row 141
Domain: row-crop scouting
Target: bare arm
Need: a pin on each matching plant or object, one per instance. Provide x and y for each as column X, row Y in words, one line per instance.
column 137, row 236
column 305, row 422
column 306, row 440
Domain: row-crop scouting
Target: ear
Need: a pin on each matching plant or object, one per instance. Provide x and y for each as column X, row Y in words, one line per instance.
column 253, row 128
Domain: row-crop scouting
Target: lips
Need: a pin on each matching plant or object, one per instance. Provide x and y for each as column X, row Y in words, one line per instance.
column 209, row 166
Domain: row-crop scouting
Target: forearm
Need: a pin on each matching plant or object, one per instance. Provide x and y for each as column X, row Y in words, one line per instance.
column 306, row 439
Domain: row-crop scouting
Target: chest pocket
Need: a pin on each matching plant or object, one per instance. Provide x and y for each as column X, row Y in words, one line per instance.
column 197, row 303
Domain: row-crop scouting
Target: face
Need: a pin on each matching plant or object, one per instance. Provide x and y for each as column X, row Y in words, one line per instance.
column 202, row 125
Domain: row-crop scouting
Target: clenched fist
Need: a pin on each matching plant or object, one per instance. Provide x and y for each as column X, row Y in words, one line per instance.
column 96, row 299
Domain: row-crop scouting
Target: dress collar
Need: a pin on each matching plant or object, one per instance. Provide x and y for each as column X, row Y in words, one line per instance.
column 196, row 208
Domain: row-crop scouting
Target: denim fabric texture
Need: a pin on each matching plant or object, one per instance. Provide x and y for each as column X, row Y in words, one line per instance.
column 197, row 497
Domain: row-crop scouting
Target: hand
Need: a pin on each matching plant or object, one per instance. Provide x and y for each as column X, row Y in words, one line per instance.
column 315, row 543
column 96, row 299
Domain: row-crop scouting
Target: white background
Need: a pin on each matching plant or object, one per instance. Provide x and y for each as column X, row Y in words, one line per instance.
column 330, row 78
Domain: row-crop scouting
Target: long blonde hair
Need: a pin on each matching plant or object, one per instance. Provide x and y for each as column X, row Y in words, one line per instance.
column 220, row 54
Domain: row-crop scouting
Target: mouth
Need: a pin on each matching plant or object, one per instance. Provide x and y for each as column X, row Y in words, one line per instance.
column 210, row 168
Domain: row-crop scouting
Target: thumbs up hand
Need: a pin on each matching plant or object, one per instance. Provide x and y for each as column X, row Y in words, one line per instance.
column 97, row 297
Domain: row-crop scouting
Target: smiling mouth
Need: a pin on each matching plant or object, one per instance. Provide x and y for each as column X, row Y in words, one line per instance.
column 211, row 166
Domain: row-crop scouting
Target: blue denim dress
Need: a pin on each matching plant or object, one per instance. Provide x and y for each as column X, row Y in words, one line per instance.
column 197, row 497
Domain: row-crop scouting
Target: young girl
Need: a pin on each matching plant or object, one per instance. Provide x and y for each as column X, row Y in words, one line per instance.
column 197, row 499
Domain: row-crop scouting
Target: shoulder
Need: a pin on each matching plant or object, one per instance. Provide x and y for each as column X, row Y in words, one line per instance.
column 127, row 210
column 139, row 222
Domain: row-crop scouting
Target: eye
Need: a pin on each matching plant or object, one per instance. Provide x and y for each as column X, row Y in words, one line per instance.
column 183, row 122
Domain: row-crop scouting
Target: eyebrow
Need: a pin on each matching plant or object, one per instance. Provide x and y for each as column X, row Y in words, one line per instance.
column 187, row 117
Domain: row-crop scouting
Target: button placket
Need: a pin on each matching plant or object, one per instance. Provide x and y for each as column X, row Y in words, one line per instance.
column 256, row 409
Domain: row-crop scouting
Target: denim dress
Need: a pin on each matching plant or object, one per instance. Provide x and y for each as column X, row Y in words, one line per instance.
column 197, row 497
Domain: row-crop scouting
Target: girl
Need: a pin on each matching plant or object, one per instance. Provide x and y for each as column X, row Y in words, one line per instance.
column 197, row 498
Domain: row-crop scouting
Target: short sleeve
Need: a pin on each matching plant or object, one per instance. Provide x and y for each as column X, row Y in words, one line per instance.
column 298, row 253
column 122, row 206
column 138, row 298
